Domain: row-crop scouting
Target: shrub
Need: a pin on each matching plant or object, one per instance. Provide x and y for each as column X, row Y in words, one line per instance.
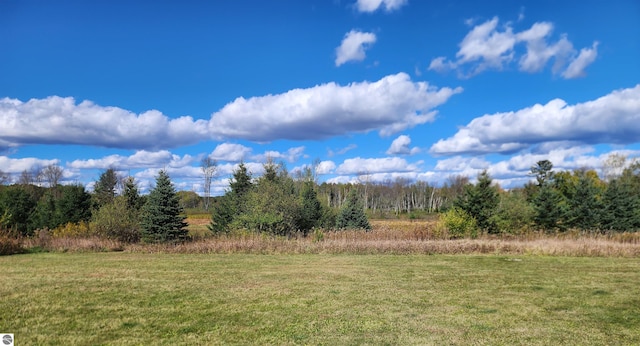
column 9, row 243
column 72, row 230
column 458, row 223
column 117, row 221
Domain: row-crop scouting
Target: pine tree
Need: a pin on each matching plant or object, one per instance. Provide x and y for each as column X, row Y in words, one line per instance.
column 131, row 194
column 162, row 216
column 550, row 209
column 584, row 205
column 221, row 215
column 621, row 207
column 240, row 186
column 105, row 187
column 311, row 209
column 352, row 213
column 74, row 205
column 480, row 201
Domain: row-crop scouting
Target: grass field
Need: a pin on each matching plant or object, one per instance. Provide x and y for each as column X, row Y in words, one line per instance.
column 149, row 299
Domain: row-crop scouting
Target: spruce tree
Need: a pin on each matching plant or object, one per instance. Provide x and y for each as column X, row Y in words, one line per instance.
column 162, row 216
column 105, row 187
column 352, row 213
column 621, row 210
column 480, row 201
column 310, row 210
column 550, row 208
column 584, row 205
column 240, row 186
column 131, row 194
column 221, row 215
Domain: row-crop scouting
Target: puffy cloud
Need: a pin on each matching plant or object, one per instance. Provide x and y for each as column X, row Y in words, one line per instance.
column 584, row 59
column 325, row 167
column 11, row 165
column 140, row 159
column 353, row 46
column 515, row 170
column 373, row 5
column 613, row 118
column 487, row 46
column 400, row 146
column 392, row 104
column 230, row 152
column 57, row 120
column 291, row 155
column 379, row 165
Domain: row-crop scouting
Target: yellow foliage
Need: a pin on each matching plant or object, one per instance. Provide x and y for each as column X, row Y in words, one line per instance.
column 73, row 230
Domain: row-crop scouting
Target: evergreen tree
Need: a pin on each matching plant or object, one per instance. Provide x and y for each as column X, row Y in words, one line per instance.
column 621, row 207
column 240, row 186
column 131, row 194
column 480, row 202
column 74, row 205
column 105, row 187
column 310, row 210
column 549, row 208
column 162, row 218
column 543, row 172
column 16, row 204
column 352, row 213
column 585, row 205
column 44, row 215
column 222, row 215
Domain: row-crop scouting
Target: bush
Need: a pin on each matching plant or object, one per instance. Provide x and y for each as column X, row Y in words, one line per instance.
column 514, row 214
column 73, row 230
column 117, row 221
column 9, row 243
column 458, row 223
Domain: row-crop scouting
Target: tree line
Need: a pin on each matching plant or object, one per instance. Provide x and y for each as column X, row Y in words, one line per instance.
column 284, row 204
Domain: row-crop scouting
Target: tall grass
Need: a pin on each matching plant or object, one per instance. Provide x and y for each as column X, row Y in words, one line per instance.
column 386, row 237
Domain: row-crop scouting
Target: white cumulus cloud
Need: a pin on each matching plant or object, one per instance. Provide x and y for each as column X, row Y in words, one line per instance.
column 373, row 5
column 613, row 118
column 353, row 46
column 584, row 59
column 14, row 166
column 139, row 159
column 230, row 152
column 390, row 105
column 401, row 146
column 376, row 165
column 490, row 46
column 57, row 120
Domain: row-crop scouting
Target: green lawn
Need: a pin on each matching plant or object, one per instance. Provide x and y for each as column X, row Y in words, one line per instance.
column 150, row 299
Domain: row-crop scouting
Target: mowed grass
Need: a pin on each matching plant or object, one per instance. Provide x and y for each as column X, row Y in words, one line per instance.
column 193, row 299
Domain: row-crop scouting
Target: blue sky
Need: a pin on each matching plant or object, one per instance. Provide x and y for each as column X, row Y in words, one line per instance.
column 370, row 89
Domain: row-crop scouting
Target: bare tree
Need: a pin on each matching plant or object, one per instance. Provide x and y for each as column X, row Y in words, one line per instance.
column 613, row 166
column 52, row 175
column 209, row 167
column 26, row 178
column 4, row 178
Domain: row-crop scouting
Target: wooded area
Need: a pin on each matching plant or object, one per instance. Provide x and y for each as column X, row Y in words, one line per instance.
column 282, row 204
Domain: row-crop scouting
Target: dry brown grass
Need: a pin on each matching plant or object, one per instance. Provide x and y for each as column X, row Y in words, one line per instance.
column 411, row 237
column 386, row 237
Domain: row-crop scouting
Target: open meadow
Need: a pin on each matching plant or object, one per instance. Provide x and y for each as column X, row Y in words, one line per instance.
column 124, row 298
